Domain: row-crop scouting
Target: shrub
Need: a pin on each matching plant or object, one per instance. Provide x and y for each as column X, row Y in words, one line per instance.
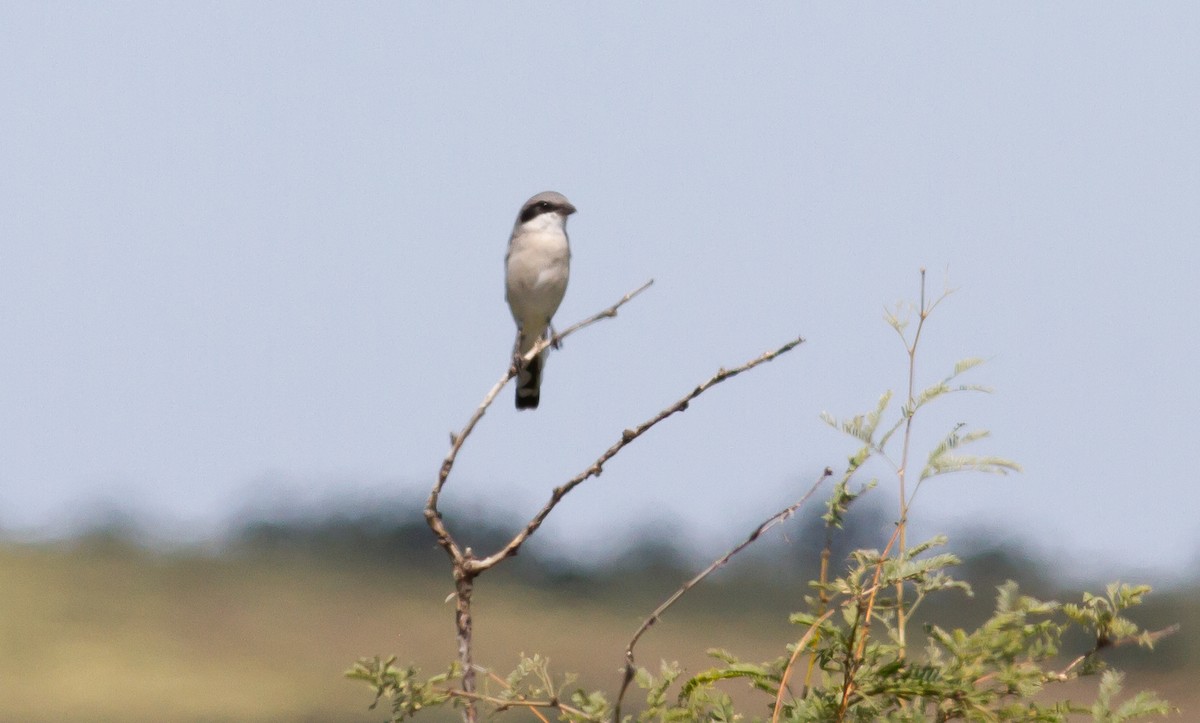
column 853, row 658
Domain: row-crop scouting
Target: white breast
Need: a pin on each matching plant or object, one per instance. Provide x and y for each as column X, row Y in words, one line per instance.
column 537, row 270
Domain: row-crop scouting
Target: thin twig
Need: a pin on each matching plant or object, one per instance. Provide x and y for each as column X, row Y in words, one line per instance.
column 516, row 703
column 800, row 646
column 608, row 313
column 504, row 683
column 479, row 565
column 1153, row 637
column 719, row 562
column 899, row 535
column 902, row 473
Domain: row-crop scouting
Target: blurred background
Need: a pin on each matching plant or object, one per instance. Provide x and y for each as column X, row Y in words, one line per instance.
column 250, row 277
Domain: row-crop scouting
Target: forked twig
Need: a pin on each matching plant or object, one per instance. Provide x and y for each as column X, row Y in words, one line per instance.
column 772, row 521
column 464, row 572
column 466, row 566
column 432, row 516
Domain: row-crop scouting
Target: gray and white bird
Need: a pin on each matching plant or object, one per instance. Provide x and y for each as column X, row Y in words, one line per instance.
column 535, row 278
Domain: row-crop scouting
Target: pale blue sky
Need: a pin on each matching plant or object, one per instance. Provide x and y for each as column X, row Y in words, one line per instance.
column 252, row 251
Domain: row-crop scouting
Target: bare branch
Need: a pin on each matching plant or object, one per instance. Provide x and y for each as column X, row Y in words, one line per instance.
column 432, row 516
column 477, row 566
column 461, row 559
column 466, row 567
column 719, row 562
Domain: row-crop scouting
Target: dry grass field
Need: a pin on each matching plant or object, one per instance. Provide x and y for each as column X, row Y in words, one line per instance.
column 112, row 632
column 119, row 634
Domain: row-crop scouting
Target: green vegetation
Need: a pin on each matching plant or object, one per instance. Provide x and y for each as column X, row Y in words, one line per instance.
column 261, row 630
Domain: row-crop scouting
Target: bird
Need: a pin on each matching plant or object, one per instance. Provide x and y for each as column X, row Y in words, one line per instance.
column 536, row 269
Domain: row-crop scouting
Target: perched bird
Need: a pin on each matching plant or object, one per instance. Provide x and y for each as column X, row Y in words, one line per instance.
column 535, row 279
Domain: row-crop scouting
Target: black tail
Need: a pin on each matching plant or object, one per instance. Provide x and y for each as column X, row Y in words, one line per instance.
column 529, row 383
